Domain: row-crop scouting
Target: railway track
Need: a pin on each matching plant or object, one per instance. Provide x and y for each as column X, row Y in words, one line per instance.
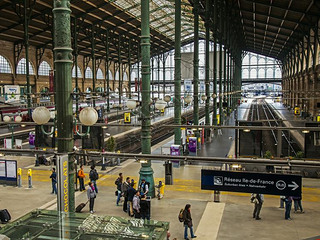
column 260, row 110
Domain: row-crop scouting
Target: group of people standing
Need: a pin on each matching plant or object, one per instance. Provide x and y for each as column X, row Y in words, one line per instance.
column 258, row 200
column 135, row 200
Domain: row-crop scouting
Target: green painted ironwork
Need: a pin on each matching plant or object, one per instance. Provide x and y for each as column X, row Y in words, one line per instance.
column 146, row 171
column 93, row 59
column 63, row 64
column 196, row 68
column 177, row 73
column 26, row 48
column 207, row 68
column 215, row 62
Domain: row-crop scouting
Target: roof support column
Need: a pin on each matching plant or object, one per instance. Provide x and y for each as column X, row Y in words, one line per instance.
column 207, row 66
column 146, row 172
column 177, row 73
column 215, row 62
column 107, row 71
column 225, row 49
column 138, row 73
column 158, row 68
column 75, row 44
column 164, row 57
column 129, row 69
column 120, row 70
column 196, row 68
column 63, row 64
column 152, row 80
column 26, row 47
column 220, row 62
column 93, row 59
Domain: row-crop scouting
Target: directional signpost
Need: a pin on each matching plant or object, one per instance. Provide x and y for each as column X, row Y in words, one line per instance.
column 266, row 183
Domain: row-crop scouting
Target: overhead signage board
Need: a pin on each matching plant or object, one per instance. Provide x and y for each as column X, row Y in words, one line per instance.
column 266, row 183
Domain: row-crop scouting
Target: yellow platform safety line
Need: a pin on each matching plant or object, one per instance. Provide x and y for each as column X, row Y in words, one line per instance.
column 180, row 185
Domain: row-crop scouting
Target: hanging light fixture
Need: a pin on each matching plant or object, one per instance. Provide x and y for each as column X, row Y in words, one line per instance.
column 188, row 99
column 167, row 98
column 160, row 104
column 41, row 115
column 131, row 104
column 203, row 97
column 88, row 116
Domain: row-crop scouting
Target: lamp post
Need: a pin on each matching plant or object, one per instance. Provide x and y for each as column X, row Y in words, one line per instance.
column 8, row 119
column 88, row 117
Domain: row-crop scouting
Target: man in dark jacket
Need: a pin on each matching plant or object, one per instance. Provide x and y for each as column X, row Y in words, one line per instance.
column 124, row 190
column 188, row 222
column 53, row 177
column 131, row 192
column 257, row 199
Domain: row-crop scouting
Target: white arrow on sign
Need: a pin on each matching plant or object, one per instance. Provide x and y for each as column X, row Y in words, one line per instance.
column 294, row 186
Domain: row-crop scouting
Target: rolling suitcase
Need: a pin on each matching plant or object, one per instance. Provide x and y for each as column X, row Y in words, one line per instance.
column 4, row 216
column 81, row 206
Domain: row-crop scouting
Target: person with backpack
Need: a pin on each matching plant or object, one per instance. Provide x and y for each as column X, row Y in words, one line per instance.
column 53, row 177
column 188, row 222
column 81, row 177
column 94, row 176
column 124, row 189
column 144, row 187
column 118, row 183
column 91, row 193
column 257, row 199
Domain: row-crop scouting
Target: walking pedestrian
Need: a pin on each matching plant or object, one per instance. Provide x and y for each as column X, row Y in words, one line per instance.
column 136, row 205
column 124, row 190
column 53, row 177
column 81, row 178
column 288, row 203
column 188, row 222
column 94, row 176
column 118, row 183
column 91, row 193
column 257, row 199
column 297, row 204
column 144, row 207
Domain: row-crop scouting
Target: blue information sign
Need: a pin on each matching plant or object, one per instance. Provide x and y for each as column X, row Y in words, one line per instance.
column 249, row 182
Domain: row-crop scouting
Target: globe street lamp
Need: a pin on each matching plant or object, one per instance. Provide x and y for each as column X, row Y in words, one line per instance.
column 8, row 119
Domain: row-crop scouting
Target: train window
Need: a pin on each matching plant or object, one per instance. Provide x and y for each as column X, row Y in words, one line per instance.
column 44, row 69
column 4, row 65
column 316, row 136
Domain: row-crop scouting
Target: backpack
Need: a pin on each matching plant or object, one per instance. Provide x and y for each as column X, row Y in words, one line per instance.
column 144, row 186
column 180, row 216
column 93, row 175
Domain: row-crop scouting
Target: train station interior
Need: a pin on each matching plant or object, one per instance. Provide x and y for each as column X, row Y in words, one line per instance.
column 213, row 103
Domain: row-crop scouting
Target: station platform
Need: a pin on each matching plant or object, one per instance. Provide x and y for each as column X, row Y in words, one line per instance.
column 229, row 219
